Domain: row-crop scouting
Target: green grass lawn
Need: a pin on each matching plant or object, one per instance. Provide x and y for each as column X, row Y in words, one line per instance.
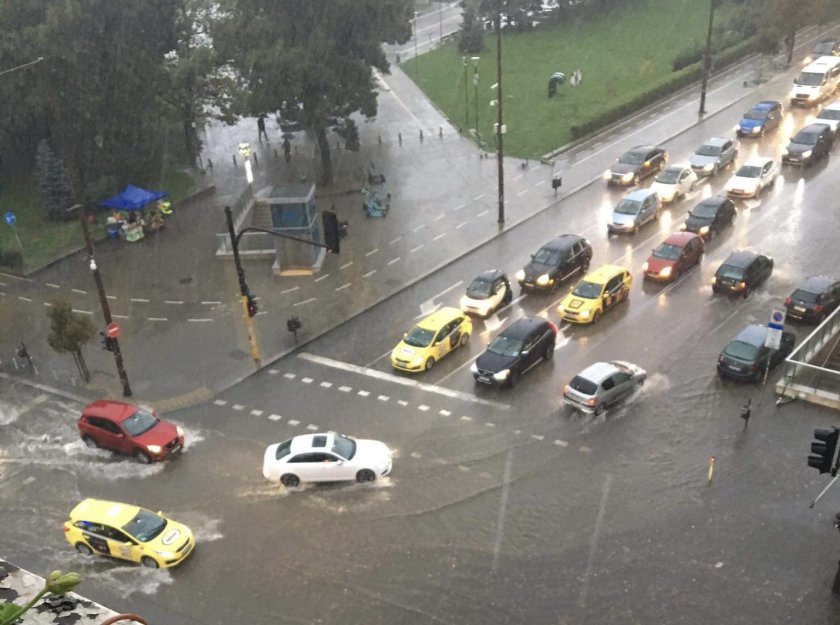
column 44, row 239
column 621, row 55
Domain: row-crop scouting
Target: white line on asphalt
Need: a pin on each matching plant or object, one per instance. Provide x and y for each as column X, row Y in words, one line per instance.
column 461, row 225
column 397, row 98
column 372, row 252
column 561, row 443
column 503, row 502
column 420, row 227
column 112, row 297
column 414, row 454
column 238, row 407
column 466, row 418
column 388, row 377
column 593, row 542
column 211, row 302
column 444, row 413
column 490, row 425
column 79, row 291
column 120, row 316
column 256, row 413
column 523, row 192
column 378, row 358
column 290, row 376
column 345, row 389
column 447, row 289
column 274, row 417
column 24, row 299
column 423, row 408
column 47, row 304
column 293, row 422
column 562, row 343
column 392, row 261
column 294, row 288
column 140, row 300
column 21, row 278
column 343, row 286
column 49, row 284
column 307, row 380
column 414, row 249
column 478, row 197
column 173, row 301
column 440, row 236
column 369, row 273
column 539, row 183
column 346, row 265
column 82, row 312
column 199, row 320
column 482, row 213
column 537, row 437
column 517, row 177
column 312, row 427
column 402, row 402
column 439, row 217
column 363, row 393
column 324, row 277
column 392, row 241
column 459, row 207
column 157, row 319
column 220, row 402
column 306, row 301
column 585, row 450
column 326, row 384
column 273, row 371
column 383, row 398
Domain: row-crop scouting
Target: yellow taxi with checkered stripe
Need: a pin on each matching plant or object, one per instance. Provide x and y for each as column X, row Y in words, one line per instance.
column 596, row 293
column 430, row 340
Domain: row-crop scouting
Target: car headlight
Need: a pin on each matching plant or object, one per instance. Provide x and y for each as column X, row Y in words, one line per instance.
column 666, row 272
column 155, row 449
column 714, row 279
column 683, row 227
column 501, row 375
column 584, row 314
column 807, row 154
column 708, row 167
column 417, row 361
column 704, row 230
column 520, row 275
column 607, row 175
column 645, row 266
column 543, row 280
column 179, row 430
column 166, row 555
column 627, row 177
column 756, row 130
column 474, row 368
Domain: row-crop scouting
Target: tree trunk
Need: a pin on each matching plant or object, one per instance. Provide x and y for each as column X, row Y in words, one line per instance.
column 326, row 158
column 81, row 365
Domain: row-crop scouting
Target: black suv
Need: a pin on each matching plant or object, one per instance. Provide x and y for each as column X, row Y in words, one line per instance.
column 555, row 261
column 809, row 145
column 814, row 300
column 746, row 357
column 710, row 216
column 742, row 272
column 520, row 346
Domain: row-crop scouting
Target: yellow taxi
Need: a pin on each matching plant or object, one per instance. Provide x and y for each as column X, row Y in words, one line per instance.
column 431, row 339
column 597, row 292
column 127, row 532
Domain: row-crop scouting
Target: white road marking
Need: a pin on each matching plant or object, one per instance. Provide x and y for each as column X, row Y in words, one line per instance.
column 490, row 425
column 257, row 413
column 414, row 249
column 293, row 422
column 393, row 260
column 418, row 228
column 343, row 286
column 220, row 402
column 273, row 371
column 402, row 402
column 199, row 320
column 459, row 207
column 447, row 289
column 312, row 427
column 466, row 418
column 478, row 197
column 561, row 443
column 593, row 543
column 369, row 273
column 291, row 290
column 516, row 177
column 157, row 319
column 523, row 192
column 388, row 377
column 464, row 468
column 345, row 389
column 211, row 302
column 24, row 299
column 363, row 393
column 383, row 398
column 274, row 417
column 326, row 384
column 120, row 316
column 537, row 437
column 238, row 407
column 423, row 407
column 140, row 300
column 307, row 380
column 562, row 343
column 82, row 312
column 49, row 284
column 397, row 98
column 290, row 376
column 540, row 183
column 482, row 213
column 372, row 252
column 324, row 277
column 173, row 301
column 585, row 450
column 414, row 454
column 346, row 265
column 47, row 304
column 111, row 297
column 440, row 236
column 461, row 225
column 79, row 291
column 439, row 217
column 444, row 413
column 306, row 301
column 392, row 241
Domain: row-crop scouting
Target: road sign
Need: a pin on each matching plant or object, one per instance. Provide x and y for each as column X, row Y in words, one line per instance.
column 773, row 339
column 777, row 319
column 10, row 218
column 112, row 330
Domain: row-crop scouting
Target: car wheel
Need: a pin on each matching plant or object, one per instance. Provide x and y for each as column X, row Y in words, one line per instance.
column 641, row 382
column 90, row 442
column 465, row 338
column 290, row 481
column 83, row 549
column 365, row 475
column 548, row 354
column 746, row 292
column 149, row 563
column 715, row 170
column 429, row 364
column 596, row 316
column 675, row 275
column 508, row 298
column 142, row 457
column 599, row 409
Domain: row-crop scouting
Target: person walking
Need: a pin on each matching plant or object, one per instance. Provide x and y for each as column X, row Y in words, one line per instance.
column 287, row 150
column 261, row 127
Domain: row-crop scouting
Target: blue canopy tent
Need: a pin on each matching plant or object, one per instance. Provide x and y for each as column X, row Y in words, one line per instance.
column 134, row 199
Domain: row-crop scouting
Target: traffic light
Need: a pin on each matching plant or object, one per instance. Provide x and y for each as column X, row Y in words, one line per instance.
column 823, row 449
column 331, row 231
column 252, row 305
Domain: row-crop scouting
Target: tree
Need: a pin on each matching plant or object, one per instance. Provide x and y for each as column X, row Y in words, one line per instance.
column 53, row 180
column 69, row 332
column 317, row 56
column 472, row 31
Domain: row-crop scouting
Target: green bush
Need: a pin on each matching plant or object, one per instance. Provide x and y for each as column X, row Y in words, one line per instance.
column 11, row 258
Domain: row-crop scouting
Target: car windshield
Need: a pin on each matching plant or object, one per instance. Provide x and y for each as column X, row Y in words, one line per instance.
column 757, row 114
column 582, row 385
column 704, row 210
column 628, row 207
column 587, row 290
column 669, row 176
column 730, row 271
column 749, row 171
column 344, row 446
column 824, row 49
column 632, row 158
column 667, row 251
column 810, row 79
column 741, row 351
column 140, row 422
column 708, row 150
column 806, row 138
column 419, row 337
column 832, row 114
column 505, row 346
column 546, row 256
column 145, row 526
column 283, row 450
column 479, row 288
column 804, row 296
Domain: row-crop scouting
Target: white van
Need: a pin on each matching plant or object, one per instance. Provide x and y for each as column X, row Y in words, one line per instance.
column 816, row 81
column 830, row 116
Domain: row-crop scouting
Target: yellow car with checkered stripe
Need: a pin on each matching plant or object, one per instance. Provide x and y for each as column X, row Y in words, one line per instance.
column 430, row 340
column 596, row 293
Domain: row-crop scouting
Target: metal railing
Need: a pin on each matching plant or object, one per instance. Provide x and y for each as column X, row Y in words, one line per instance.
column 250, row 244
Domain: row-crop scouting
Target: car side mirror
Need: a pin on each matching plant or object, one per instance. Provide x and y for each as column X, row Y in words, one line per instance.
column 127, row 543
column 533, row 256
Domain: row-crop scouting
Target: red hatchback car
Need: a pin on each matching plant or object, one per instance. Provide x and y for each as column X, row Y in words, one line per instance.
column 129, row 429
column 675, row 255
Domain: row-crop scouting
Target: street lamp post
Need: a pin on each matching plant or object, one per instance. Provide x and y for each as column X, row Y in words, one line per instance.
column 466, row 96
column 103, row 302
column 500, row 128
column 707, row 58
column 416, row 61
column 440, row 20
column 475, row 61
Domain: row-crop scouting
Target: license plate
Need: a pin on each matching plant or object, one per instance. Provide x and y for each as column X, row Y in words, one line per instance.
column 799, row 309
column 483, row 379
column 734, row 367
column 174, row 449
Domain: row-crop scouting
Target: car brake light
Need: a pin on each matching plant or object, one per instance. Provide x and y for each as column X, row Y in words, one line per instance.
column 66, row 529
column 788, row 301
column 566, row 390
column 590, row 401
column 818, row 308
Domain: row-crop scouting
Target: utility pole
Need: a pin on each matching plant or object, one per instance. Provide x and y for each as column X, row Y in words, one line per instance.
column 416, row 61
column 475, row 61
column 707, row 58
column 103, row 302
column 440, row 20
column 500, row 154
column 247, row 298
column 466, row 96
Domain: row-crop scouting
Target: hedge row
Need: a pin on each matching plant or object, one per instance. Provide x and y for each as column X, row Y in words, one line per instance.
column 11, row 258
column 684, row 77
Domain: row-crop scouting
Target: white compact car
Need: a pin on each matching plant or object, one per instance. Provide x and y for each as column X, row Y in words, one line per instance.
column 327, row 457
column 753, row 177
column 674, row 182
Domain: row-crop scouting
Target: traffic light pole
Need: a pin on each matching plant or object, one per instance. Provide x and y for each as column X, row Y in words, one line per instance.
column 243, row 288
column 103, row 302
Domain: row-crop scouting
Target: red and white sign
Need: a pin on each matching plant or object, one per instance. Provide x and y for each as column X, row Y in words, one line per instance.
column 112, row 330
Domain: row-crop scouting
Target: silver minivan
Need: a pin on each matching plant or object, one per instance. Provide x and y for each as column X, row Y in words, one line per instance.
column 601, row 385
column 635, row 210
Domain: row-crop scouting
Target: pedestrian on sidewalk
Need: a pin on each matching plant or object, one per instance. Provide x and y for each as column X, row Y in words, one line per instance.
column 287, row 150
column 261, row 127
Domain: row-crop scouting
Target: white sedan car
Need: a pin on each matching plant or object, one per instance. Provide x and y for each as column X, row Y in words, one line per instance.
column 327, row 457
column 753, row 177
column 674, row 182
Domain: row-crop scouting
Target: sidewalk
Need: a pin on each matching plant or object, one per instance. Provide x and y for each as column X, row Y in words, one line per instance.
column 183, row 336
